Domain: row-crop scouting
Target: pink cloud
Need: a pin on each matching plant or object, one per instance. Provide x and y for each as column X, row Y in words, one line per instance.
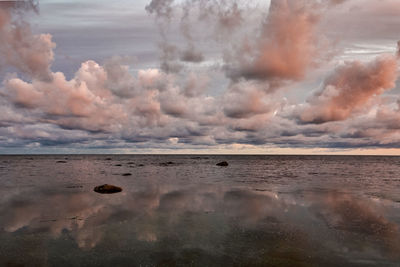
column 30, row 53
column 287, row 45
column 124, row 103
column 349, row 88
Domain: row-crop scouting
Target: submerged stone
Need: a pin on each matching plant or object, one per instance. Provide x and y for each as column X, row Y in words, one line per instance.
column 223, row 163
column 167, row 163
column 127, row 174
column 107, row 189
column 75, row 186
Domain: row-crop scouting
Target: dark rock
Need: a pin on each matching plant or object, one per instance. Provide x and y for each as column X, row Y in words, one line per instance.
column 108, row 158
column 223, row 164
column 141, row 165
column 75, row 218
column 61, row 161
column 107, row 189
column 166, row 163
column 75, row 186
column 260, row 190
column 127, row 174
column 119, row 165
column 130, row 163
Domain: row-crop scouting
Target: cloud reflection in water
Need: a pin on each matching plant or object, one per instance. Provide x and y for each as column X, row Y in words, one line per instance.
column 202, row 225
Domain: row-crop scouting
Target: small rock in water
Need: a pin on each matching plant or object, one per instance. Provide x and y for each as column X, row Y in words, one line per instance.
column 108, row 158
column 107, row 189
column 75, row 186
column 118, row 165
column 166, row 163
column 223, row 163
column 127, row 174
column 141, row 165
column 61, row 161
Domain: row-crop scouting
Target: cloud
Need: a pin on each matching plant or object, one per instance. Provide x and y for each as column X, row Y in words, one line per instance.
column 188, row 101
column 247, row 99
column 349, row 88
column 287, row 44
column 398, row 49
column 162, row 8
column 337, row 2
column 29, row 53
column 191, row 55
column 109, row 99
column 218, row 18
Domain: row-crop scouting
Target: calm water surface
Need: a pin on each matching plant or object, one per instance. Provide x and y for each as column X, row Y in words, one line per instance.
column 185, row 211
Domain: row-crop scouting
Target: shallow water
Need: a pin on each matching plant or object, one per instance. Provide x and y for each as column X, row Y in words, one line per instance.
column 185, row 211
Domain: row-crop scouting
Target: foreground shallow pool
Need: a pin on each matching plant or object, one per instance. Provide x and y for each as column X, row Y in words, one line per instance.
column 186, row 211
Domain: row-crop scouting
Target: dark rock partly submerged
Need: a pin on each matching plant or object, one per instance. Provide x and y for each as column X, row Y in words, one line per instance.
column 74, row 186
column 167, row 163
column 223, row 164
column 107, row 189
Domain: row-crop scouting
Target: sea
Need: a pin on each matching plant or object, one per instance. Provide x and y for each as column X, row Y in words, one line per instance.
column 184, row 210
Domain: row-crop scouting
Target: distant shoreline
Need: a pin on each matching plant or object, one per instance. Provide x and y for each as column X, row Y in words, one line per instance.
column 208, row 155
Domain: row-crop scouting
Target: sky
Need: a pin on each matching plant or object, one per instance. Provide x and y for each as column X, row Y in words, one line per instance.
column 200, row 76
